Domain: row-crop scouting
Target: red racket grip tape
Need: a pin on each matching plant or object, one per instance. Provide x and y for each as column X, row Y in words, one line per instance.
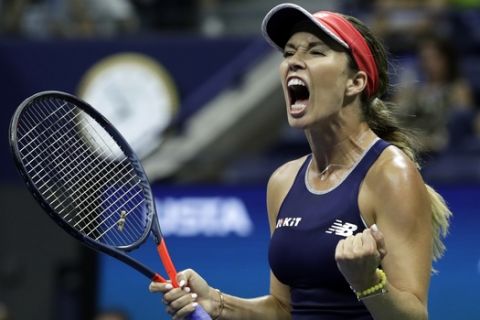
column 167, row 263
column 199, row 313
column 158, row 278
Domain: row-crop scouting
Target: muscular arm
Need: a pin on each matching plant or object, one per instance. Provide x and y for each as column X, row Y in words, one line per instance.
column 395, row 198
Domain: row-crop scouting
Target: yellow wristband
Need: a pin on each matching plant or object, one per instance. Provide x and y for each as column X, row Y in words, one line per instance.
column 379, row 288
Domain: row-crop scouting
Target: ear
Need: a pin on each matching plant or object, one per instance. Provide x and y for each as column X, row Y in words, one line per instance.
column 356, row 83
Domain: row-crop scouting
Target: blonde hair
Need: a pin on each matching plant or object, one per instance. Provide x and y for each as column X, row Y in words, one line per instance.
column 381, row 118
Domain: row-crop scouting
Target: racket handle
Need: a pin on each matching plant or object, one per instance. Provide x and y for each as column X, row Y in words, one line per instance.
column 167, row 262
column 158, row 278
column 199, row 314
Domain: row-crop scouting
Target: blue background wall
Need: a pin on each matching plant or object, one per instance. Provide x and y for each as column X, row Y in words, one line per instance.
column 238, row 265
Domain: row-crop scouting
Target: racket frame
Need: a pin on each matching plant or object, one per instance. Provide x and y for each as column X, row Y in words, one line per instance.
column 152, row 226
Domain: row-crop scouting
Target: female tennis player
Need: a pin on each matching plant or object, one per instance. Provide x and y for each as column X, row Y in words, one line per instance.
column 354, row 228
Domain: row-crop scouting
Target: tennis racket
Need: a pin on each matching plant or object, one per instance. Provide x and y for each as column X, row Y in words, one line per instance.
column 88, row 179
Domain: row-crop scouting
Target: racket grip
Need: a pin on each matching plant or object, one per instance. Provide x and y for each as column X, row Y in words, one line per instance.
column 199, row 314
column 158, row 278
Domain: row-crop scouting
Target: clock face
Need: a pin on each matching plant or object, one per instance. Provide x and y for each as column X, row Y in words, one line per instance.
column 136, row 94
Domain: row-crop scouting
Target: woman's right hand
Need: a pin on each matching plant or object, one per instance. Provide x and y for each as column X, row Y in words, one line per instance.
column 183, row 300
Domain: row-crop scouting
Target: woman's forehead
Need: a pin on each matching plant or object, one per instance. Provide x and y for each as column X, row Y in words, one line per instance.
column 308, row 38
column 304, row 36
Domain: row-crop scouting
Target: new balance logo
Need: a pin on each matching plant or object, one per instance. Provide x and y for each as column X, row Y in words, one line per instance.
column 342, row 229
column 288, row 222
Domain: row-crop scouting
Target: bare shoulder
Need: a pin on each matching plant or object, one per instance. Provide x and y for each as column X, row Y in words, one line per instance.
column 394, row 178
column 280, row 183
column 395, row 169
column 286, row 172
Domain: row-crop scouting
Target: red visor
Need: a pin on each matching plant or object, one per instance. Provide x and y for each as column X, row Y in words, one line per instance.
column 279, row 22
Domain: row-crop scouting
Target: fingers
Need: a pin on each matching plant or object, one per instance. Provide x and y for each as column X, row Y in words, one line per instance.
column 366, row 245
column 160, row 287
column 183, row 312
column 182, row 301
column 339, row 250
column 178, row 297
column 358, row 256
column 369, row 245
column 361, row 244
column 379, row 240
column 357, row 244
column 192, row 279
column 184, row 278
column 179, row 303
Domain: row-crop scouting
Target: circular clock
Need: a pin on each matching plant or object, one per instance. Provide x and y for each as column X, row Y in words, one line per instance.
column 136, row 94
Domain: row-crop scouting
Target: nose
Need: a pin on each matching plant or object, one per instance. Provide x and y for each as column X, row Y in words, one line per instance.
column 295, row 63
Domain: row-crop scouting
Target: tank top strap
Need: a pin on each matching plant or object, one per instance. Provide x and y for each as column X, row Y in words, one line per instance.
column 355, row 177
column 303, row 169
column 367, row 161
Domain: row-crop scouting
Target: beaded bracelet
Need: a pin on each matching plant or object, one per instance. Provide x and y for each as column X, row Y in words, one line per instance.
column 379, row 288
column 222, row 304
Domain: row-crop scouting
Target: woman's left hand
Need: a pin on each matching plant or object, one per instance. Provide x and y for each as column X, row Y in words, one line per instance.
column 358, row 257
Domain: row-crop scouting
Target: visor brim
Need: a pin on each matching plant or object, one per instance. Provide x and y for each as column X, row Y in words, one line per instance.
column 278, row 24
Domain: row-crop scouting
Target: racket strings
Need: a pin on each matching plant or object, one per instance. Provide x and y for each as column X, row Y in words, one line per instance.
column 62, row 145
column 57, row 138
column 65, row 157
column 106, row 209
column 82, row 172
column 39, row 136
column 90, row 221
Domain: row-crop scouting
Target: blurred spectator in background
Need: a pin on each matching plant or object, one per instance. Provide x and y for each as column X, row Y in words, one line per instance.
column 210, row 22
column 436, row 100
column 400, row 22
column 466, row 3
column 93, row 18
column 67, row 18
column 167, row 15
column 11, row 16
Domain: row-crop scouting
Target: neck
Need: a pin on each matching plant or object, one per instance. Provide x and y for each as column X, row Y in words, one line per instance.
column 338, row 146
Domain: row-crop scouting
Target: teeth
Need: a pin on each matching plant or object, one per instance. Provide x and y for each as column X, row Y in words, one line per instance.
column 298, row 106
column 296, row 82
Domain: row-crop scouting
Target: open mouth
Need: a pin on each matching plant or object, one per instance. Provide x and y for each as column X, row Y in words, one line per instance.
column 298, row 94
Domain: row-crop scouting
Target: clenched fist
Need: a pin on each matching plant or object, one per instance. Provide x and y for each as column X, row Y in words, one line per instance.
column 358, row 257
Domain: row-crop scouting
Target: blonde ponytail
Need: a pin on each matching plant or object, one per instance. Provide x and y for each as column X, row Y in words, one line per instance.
column 440, row 221
column 381, row 118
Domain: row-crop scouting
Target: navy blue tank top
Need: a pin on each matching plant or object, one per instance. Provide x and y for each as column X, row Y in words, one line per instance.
column 302, row 249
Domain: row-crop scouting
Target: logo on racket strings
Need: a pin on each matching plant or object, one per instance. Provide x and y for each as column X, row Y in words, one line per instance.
column 121, row 221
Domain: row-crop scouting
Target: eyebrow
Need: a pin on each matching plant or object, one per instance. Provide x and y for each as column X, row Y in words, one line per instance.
column 310, row 45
